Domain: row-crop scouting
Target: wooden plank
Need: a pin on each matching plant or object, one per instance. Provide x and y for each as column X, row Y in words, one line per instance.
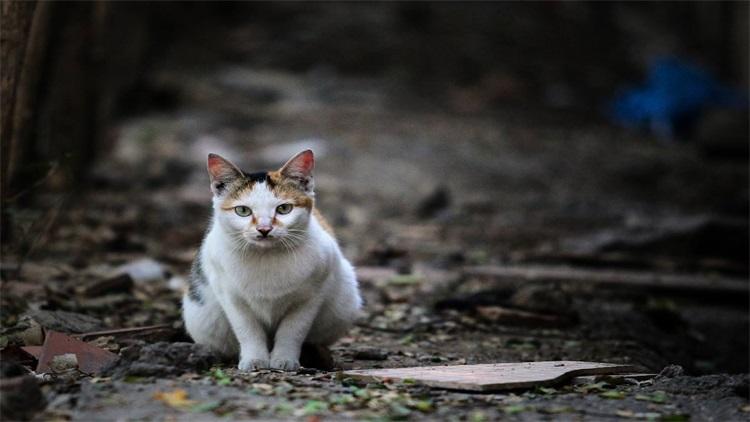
column 618, row 278
column 493, row 376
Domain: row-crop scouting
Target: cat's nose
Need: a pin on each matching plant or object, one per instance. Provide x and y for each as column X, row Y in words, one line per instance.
column 264, row 230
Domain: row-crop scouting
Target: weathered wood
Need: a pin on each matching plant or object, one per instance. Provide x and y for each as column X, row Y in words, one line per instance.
column 15, row 23
column 28, row 86
column 493, row 376
column 616, row 278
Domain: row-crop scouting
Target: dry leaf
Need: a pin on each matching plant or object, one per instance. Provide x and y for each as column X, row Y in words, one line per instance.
column 177, row 398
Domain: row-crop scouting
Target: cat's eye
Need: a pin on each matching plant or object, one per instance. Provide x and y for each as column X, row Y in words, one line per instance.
column 242, row 210
column 284, row 208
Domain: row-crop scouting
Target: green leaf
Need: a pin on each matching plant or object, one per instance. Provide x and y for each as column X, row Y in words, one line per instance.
column 409, row 381
column 546, row 390
column 407, row 339
column 588, row 388
column 613, row 394
column 478, row 417
column 658, row 397
column 343, row 399
column 314, row 406
column 398, row 411
column 423, row 405
column 284, row 408
column 404, row 280
column 515, row 408
column 221, row 377
column 205, row 407
column 361, row 392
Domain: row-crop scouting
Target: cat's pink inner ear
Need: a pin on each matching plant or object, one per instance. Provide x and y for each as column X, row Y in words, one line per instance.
column 220, row 168
column 301, row 164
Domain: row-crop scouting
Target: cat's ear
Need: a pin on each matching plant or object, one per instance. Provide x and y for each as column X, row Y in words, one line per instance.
column 222, row 172
column 300, row 168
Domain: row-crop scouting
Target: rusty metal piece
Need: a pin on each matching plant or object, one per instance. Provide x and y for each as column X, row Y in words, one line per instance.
column 91, row 359
column 35, row 351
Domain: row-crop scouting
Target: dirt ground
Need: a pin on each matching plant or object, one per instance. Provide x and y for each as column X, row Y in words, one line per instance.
column 417, row 191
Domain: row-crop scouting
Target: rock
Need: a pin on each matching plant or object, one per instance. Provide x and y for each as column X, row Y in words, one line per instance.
column 116, row 284
column 672, row 371
column 370, row 353
column 541, row 298
column 66, row 322
column 317, row 357
column 160, row 359
column 26, row 332
column 431, row 205
column 20, row 397
column 11, row 369
column 64, row 362
column 33, row 335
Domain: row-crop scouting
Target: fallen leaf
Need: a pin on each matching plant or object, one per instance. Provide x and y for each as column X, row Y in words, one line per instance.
column 478, row 416
column 314, row 406
column 658, row 397
column 423, row 405
column 177, row 399
column 220, row 377
column 404, row 280
column 625, row 413
column 515, row 408
column 613, row 394
column 205, row 407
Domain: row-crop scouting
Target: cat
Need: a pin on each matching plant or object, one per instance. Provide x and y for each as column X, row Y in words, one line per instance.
column 269, row 275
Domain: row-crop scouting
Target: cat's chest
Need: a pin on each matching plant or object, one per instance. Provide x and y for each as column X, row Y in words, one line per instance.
column 268, row 279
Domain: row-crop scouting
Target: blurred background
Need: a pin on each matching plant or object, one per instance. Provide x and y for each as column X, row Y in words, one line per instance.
column 453, row 141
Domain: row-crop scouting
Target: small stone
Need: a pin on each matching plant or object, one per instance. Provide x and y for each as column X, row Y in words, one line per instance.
column 67, row 322
column 370, row 353
column 672, row 371
column 21, row 397
column 63, row 363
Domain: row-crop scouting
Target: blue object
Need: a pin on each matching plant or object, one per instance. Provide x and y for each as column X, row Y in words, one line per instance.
column 674, row 94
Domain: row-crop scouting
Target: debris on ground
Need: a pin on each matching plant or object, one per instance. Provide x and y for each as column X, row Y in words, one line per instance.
column 160, row 359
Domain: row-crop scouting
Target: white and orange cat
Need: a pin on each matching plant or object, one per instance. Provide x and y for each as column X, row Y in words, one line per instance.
column 269, row 274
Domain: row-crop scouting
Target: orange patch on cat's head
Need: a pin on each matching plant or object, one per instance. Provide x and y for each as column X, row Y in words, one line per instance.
column 293, row 181
column 288, row 188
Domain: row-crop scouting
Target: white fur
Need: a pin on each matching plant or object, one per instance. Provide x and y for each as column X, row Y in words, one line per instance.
column 265, row 298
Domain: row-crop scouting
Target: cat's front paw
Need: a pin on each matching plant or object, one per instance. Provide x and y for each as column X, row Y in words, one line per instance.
column 253, row 364
column 285, row 364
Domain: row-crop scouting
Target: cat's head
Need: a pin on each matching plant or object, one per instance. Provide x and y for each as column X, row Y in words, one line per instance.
column 263, row 210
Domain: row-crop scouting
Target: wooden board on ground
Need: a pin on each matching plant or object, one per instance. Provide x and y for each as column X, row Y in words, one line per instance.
column 493, row 376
